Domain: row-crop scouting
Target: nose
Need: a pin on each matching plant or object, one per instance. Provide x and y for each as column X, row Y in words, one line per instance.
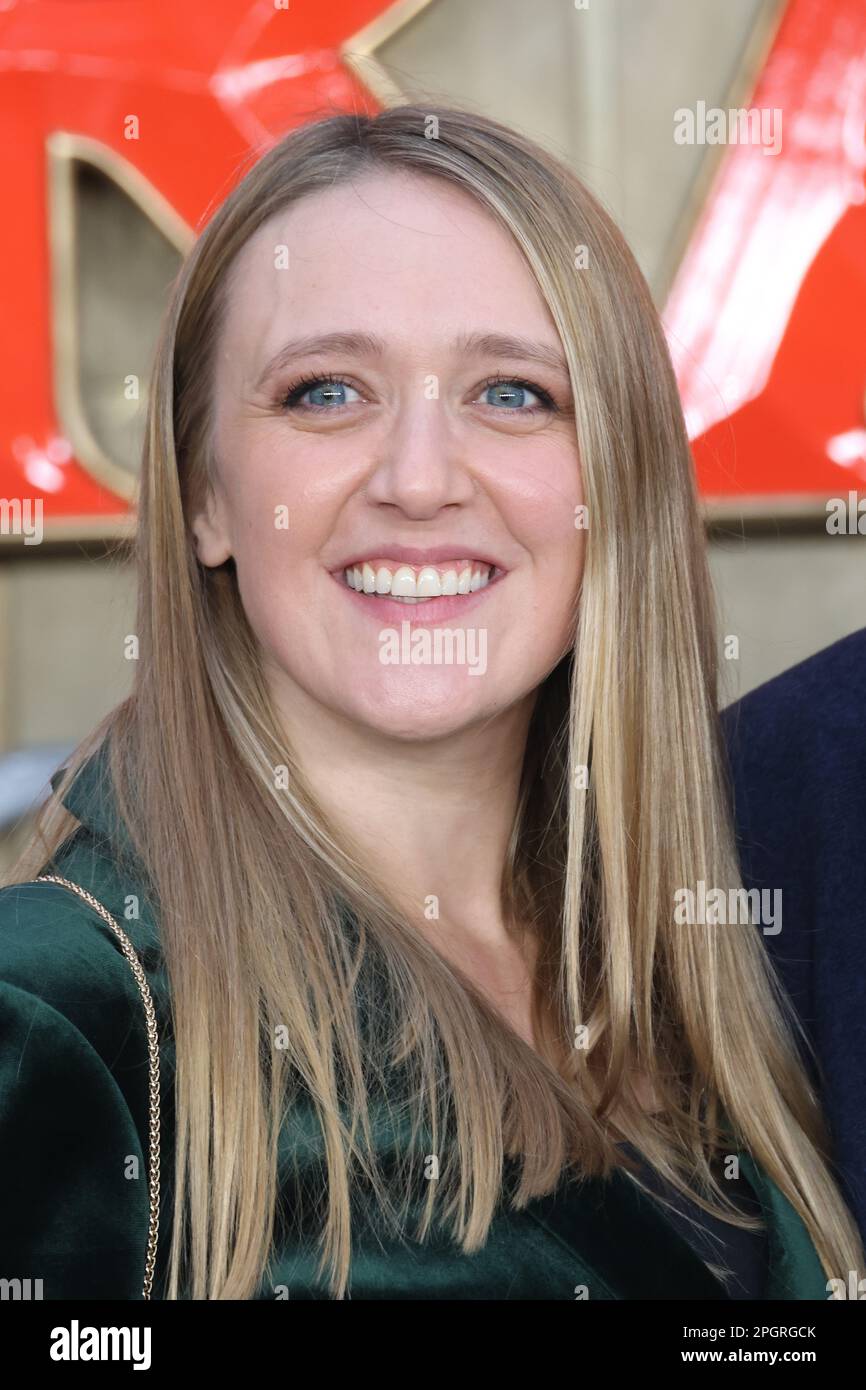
column 420, row 469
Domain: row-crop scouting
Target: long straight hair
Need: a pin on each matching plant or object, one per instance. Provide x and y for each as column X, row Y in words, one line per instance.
column 270, row 921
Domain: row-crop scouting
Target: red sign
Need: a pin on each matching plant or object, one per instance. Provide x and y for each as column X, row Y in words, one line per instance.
column 171, row 100
column 765, row 318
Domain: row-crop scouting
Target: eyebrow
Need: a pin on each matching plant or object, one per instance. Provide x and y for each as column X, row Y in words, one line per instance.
column 501, row 345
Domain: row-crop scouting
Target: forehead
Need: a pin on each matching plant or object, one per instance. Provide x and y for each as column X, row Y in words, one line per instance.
column 396, row 254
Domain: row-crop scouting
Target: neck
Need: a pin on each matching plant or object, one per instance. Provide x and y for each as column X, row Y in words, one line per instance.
column 432, row 819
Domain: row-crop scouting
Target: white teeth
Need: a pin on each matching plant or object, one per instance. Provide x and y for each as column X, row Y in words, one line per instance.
column 403, row 583
column 410, row 586
column 449, row 582
column 428, row 583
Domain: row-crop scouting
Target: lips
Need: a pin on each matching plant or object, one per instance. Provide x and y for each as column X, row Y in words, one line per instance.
column 393, row 609
column 424, row 585
column 416, row 557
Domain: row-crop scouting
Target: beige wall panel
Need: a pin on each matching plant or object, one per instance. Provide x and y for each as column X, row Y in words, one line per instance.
column 66, row 620
column 786, row 597
column 597, row 86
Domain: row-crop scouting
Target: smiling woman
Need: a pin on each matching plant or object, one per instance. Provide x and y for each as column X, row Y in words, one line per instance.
column 408, row 938
column 400, row 458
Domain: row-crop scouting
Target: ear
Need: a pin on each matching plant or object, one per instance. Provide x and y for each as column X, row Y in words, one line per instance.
column 210, row 531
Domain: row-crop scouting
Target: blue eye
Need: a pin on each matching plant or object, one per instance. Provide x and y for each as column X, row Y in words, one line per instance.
column 511, row 396
column 331, row 392
column 508, row 394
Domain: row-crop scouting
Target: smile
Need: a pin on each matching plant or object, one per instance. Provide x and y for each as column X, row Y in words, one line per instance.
column 418, row 584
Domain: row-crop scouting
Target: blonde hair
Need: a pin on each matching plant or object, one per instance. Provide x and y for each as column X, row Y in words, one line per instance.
column 267, row 914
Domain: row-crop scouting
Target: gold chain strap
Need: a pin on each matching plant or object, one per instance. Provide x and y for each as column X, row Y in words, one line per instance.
column 153, row 1066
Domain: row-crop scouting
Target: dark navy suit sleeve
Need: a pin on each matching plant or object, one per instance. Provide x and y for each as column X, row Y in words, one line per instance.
column 797, row 750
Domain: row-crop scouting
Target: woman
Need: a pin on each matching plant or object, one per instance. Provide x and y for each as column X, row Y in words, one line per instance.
column 421, row 751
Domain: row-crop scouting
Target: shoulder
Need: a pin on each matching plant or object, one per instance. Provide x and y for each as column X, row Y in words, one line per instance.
column 797, row 755
column 821, row 696
column 56, row 946
column 47, row 931
column 57, row 951
column 797, row 758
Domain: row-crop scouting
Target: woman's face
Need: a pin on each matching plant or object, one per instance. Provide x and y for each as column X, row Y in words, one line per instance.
column 425, row 457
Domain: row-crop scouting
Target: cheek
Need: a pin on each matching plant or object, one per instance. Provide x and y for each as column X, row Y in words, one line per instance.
column 543, row 505
column 550, row 630
column 536, row 488
column 278, row 517
column 556, row 535
column 275, row 539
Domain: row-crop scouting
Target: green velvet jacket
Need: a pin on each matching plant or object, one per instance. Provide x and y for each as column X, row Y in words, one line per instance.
column 74, row 1201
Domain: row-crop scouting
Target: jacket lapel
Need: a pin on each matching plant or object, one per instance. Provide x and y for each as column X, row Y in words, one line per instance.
column 631, row 1251
column 795, row 1269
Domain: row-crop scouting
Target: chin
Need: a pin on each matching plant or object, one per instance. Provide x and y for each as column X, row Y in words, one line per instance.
column 439, row 714
column 413, row 729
